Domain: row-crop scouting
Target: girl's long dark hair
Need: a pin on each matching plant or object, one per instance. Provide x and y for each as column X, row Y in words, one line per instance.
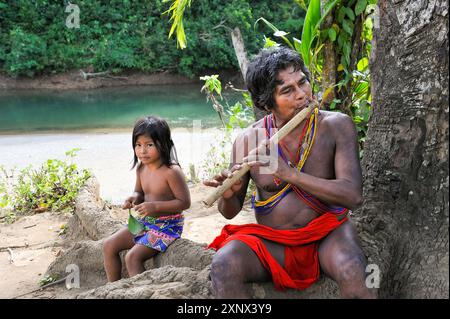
column 158, row 130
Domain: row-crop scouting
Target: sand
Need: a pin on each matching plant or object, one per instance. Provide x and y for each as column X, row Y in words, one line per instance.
column 35, row 240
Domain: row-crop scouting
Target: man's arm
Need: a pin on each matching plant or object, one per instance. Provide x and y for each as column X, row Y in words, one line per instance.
column 346, row 189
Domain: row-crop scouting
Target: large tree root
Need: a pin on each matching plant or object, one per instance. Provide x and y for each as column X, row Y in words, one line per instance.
column 181, row 272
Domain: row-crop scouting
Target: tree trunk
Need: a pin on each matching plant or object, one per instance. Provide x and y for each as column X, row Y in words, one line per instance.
column 239, row 49
column 404, row 219
column 241, row 55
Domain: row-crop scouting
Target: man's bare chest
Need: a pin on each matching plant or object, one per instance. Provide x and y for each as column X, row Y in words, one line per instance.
column 319, row 162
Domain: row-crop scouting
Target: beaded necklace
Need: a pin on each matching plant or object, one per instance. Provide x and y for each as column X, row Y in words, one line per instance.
column 308, row 134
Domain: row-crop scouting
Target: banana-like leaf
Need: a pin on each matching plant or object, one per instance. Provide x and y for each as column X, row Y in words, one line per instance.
column 134, row 226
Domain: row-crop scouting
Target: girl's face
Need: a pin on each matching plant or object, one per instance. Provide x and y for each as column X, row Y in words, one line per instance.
column 146, row 150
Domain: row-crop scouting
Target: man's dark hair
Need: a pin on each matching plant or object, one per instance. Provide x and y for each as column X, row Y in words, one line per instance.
column 262, row 73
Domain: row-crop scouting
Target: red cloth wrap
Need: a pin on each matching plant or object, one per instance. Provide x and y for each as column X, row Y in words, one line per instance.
column 301, row 255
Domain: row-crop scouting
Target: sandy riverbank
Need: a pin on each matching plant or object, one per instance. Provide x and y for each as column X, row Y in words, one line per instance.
column 34, row 243
column 108, row 154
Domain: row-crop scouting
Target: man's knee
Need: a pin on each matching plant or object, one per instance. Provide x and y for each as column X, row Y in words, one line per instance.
column 228, row 263
column 351, row 269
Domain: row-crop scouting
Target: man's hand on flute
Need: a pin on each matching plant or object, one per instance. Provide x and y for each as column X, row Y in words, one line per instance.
column 220, row 178
column 266, row 156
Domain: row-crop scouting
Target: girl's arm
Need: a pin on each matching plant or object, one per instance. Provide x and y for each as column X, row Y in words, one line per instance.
column 180, row 191
column 138, row 195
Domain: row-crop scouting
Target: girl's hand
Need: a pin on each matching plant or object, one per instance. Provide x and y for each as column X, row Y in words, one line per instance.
column 145, row 209
column 220, row 178
column 131, row 201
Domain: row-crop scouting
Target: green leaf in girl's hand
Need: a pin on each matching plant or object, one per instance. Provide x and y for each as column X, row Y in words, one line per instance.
column 134, row 226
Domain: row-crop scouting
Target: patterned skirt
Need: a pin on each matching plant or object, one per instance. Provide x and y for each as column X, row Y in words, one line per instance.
column 160, row 232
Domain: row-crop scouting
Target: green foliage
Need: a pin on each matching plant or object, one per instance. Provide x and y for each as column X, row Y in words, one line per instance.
column 240, row 115
column 212, row 87
column 27, row 54
column 177, row 9
column 131, row 35
column 51, row 187
column 63, row 229
column 212, row 84
column 134, row 226
column 48, row 280
column 353, row 83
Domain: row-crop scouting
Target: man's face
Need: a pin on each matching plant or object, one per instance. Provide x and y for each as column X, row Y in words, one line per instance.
column 292, row 94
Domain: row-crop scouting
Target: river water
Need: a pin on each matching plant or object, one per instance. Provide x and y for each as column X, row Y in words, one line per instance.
column 38, row 125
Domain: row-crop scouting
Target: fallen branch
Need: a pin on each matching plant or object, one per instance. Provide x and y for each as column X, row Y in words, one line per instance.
column 45, row 245
column 43, row 287
column 105, row 74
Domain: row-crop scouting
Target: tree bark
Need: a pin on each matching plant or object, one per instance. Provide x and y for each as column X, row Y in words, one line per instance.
column 404, row 219
column 241, row 55
column 239, row 49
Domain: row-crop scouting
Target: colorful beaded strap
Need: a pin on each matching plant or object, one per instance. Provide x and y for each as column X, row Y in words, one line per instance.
column 308, row 133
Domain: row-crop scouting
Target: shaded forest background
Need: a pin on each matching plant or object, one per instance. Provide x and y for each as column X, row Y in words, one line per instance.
column 122, row 35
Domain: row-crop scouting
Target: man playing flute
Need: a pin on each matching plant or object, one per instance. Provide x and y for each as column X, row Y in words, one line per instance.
column 302, row 204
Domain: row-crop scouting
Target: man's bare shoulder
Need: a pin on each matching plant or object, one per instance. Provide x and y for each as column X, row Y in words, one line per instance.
column 337, row 122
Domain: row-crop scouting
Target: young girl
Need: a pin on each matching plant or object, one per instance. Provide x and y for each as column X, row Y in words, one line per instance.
column 160, row 196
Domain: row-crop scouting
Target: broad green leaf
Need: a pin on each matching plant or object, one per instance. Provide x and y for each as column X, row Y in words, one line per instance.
column 341, row 14
column 349, row 13
column 308, row 34
column 363, row 64
column 347, row 25
column 332, row 34
column 134, row 226
column 360, row 7
column 346, row 49
column 361, row 88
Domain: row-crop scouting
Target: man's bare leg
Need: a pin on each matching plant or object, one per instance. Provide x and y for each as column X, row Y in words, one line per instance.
column 342, row 259
column 236, row 264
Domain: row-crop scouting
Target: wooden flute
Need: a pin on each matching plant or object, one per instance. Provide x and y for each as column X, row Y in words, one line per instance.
column 285, row 130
